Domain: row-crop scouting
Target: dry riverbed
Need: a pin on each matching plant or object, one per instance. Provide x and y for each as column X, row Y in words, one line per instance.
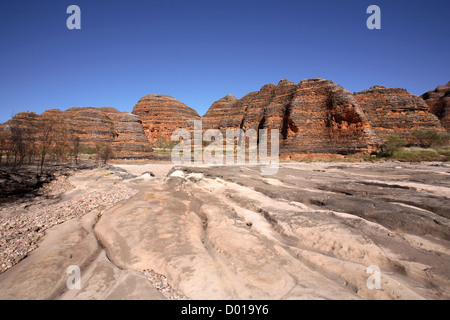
column 309, row 232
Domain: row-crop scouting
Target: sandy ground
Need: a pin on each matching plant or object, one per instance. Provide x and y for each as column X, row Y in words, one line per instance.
column 159, row 169
column 312, row 231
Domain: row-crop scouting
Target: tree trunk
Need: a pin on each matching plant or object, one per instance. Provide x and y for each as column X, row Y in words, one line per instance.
column 42, row 160
column 15, row 159
column 76, row 151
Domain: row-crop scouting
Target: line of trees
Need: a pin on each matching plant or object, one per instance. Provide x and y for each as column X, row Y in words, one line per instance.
column 420, row 138
column 39, row 139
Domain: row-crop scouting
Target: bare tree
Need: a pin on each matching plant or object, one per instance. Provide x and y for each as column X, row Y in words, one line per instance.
column 5, row 141
column 76, row 148
column 52, row 137
column 105, row 152
column 31, row 149
column 18, row 148
column 23, row 129
column 62, row 145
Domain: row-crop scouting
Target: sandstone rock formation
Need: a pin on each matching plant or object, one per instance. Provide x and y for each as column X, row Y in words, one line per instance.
column 162, row 114
column 18, row 133
column 323, row 117
column 130, row 140
column 224, row 113
column 114, row 114
column 26, row 121
column 318, row 116
column 91, row 125
column 309, row 232
column 396, row 111
column 439, row 102
column 314, row 116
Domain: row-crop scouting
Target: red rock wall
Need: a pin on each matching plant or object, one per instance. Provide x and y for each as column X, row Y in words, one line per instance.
column 315, row 116
column 162, row 114
column 130, row 140
column 94, row 126
column 91, row 125
column 396, row 111
column 439, row 102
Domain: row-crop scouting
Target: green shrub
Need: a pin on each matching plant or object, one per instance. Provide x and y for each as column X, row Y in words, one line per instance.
column 85, row 149
column 429, row 138
column 417, row 155
column 443, row 151
column 391, row 145
column 162, row 143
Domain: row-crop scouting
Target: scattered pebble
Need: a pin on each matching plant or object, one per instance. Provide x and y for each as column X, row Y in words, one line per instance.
column 159, row 281
column 21, row 228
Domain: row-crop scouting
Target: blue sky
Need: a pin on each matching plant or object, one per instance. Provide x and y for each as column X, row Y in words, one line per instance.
column 200, row 51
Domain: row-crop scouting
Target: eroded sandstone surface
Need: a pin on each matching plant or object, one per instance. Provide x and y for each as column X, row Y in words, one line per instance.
column 92, row 127
column 396, row 111
column 163, row 114
column 318, row 116
column 315, row 116
column 439, row 102
column 130, row 141
column 309, row 232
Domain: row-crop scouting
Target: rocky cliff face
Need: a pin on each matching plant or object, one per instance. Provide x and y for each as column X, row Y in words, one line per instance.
column 130, row 140
column 162, row 114
column 439, row 102
column 396, row 111
column 224, row 114
column 319, row 116
column 314, row 116
column 107, row 125
column 26, row 121
column 323, row 117
column 93, row 126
